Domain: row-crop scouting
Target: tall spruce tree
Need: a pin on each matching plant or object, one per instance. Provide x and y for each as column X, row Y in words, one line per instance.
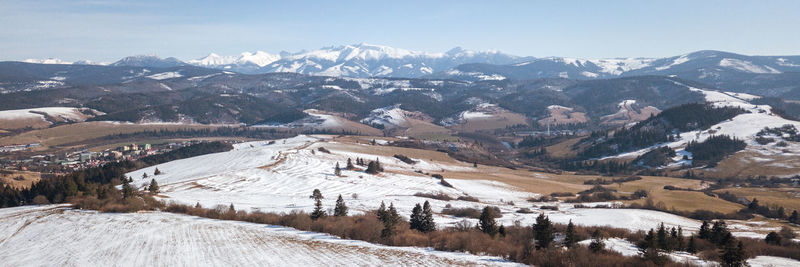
column 543, row 232
column 597, row 243
column 416, row 218
column 428, row 225
column 350, row 164
column 341, row 209
column 153, row 188
column 391, row 220
column 569, row 237
column 381, row 212
column 704, row 232
column 336, row 170
column 486, row 222
column 318, row 212
column 733, row 255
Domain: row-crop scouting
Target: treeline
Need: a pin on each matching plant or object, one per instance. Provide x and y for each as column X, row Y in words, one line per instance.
column 246, row 132
column 713, row 149
column 95, row 181
column 656, row 129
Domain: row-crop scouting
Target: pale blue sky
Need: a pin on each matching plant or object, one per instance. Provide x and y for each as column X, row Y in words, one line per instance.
column 108, row 30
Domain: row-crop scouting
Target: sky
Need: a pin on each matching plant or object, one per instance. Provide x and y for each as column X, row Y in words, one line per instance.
column 105, row 30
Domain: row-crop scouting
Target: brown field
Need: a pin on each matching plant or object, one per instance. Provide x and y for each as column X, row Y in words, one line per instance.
column 680, row 200
column 420, row 128
column 789, row 198
column 77, row 132
column 35, row 123
column 743, row 164
column 563, row 149
column 28, row 178
column 629, row 116
column 561, row 115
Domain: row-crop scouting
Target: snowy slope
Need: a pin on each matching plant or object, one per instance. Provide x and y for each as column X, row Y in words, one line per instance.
column 279, row 177
column 57, row 236
column 744, row 126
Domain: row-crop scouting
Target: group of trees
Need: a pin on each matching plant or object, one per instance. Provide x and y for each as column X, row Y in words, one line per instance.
column 656, row 129
column 339, row 210
column 422, row 218
column 731, row 251
column 373, row 167
column 713, row 149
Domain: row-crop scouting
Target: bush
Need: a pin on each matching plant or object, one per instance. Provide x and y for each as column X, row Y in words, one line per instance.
column 468, row 198
column 405, row 159
column 40, row 200
column 439, row 196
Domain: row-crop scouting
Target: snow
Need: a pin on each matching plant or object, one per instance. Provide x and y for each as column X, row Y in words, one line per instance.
column 616, row 66
column 677, row 61
column 165, row 75
column 746, row 66
column 55, row 235
column 771, row 261
column 47, row 61
column 589, row 74
column 552, row 107
column 628, row 249
column 66, row 113
column 391, row 116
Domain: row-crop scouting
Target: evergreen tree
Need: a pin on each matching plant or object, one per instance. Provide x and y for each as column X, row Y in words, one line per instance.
column 350, row 164
column 543, row 232
column 648, row 243
column 341, row 209
column 501, row 230
column 692, row 247
column 231, row 208
column 704, row 232
column 127, row 189
column 794, row 218
column 597, row 244
column 486, row 222
column 382, row 212
column 679, row 243
column 733, row 255
column 318, row 212
column 156, row 172
column 428, row 225
column 753, row 206
column 198, row 206
column 661, row 238
column 372, row 168
column 392, row 218
column 144, row 175
column 569, row 237
column 336, row 170
column 416, row 218
column 720, row 234
column 153, row 188
column 773, row 238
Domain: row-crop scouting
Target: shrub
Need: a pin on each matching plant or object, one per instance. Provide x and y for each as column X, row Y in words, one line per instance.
column 468, row 198
column 439, row 196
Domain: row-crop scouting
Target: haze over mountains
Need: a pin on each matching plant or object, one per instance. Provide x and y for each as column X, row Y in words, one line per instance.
column 366, row 60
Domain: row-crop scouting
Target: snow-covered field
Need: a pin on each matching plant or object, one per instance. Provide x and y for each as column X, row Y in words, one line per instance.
column 58, row 236
column 280, row 177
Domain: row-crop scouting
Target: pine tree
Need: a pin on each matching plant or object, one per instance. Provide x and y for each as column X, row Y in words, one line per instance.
column 597, row 244
column 198, row 206
column 661, row 238
column 679, row 242
column 501, row 230
column 773, row 238
column 543, row 232
column 416, row 218
column 486, row 222
column 733, row 256
column 144, row 175
column 318, row 212
column 382, row 212
column 153, row 188
column 704, row 232
column 127, row 189
column 336, row 170
column 753, row 206
column 231, row 208
column 569, row 237
column 156, row 172
column 372, row 168
column 794, row 218
column 428, row 225
column 692, row 247
column 720, row 234
column 349, row 164
column 341, row 209
column 392, row 218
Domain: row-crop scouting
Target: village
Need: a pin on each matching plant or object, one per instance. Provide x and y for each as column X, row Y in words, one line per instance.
column 55, row 164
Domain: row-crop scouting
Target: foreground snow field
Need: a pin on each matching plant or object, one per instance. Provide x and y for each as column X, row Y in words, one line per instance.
column 58, row 236
column 279, row 177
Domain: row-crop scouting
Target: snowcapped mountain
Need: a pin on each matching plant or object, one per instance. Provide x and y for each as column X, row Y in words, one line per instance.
column 47, row 61
column 707, row 66
column 148, row 61
column 361, row 60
